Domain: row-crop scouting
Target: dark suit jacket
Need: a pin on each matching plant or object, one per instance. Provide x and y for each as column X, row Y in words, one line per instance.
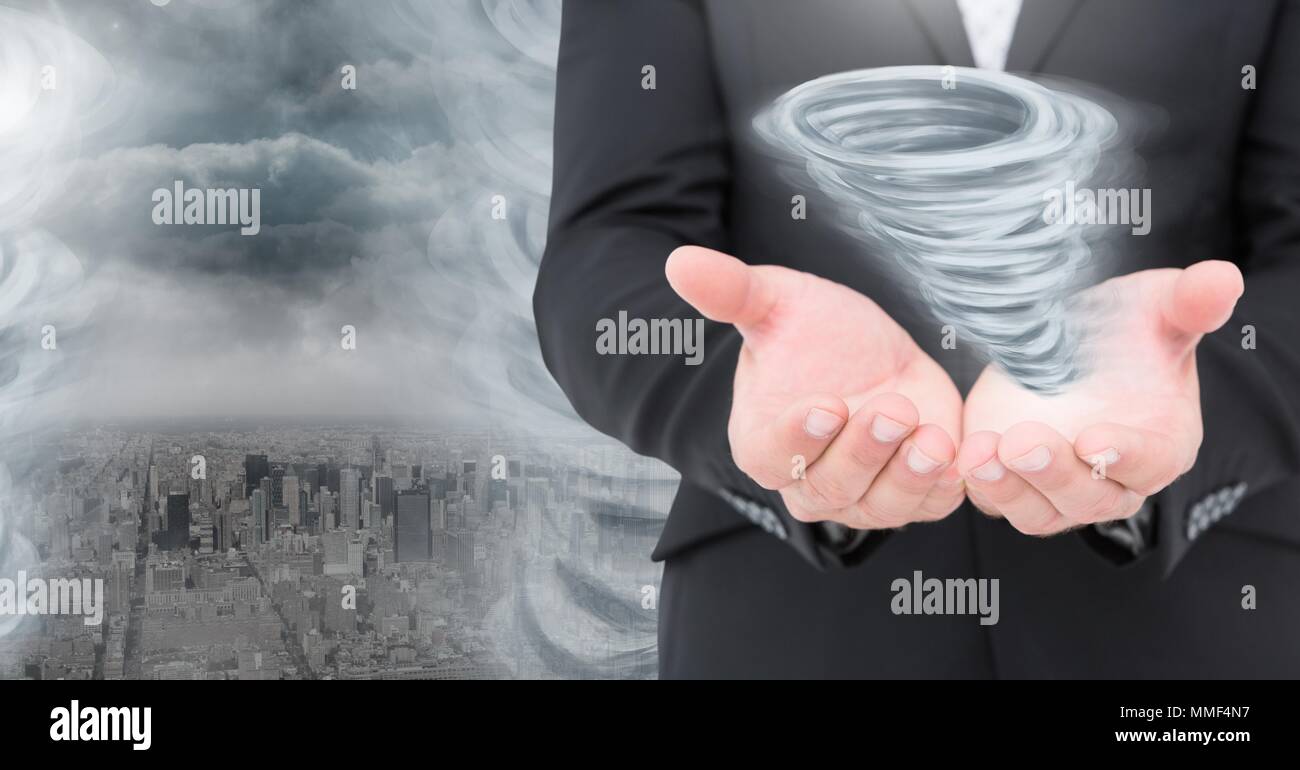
column 639, row 172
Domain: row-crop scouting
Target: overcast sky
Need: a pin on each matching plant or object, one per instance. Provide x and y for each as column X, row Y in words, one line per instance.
column 375, row 203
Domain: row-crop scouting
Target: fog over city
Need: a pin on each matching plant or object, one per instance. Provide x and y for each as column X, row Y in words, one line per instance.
column 268, row 371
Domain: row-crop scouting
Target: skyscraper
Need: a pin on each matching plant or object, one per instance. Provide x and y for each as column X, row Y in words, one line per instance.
column 117, row 591
column 413, row 527
column 278, row 471
column 223, row 530
column 384, row 496
column 328, row 510
column 261, row 515
column 291, row 501
column 265, row 486
column 256, row 468
column 332, row 477
column 469, row 478
column 177, row 535
column 334, row 546
column 349, row 497
column 343, row 553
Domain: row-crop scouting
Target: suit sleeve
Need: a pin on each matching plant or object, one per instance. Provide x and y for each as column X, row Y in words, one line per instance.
column 638, row 172
column 1250, row 389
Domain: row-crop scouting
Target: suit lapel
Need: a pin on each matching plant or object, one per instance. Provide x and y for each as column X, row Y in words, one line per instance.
column 941, row 22
column 1039, row 28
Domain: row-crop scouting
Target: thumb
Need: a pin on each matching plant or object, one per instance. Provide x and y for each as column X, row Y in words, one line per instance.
column 720, row 286
column 1202, row 297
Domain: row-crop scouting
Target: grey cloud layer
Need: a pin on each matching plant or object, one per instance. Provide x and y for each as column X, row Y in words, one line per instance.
column 199, row 319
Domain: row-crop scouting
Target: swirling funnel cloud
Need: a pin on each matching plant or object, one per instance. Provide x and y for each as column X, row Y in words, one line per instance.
column 946, row 171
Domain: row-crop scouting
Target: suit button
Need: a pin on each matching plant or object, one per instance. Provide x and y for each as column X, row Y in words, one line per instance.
column 1213, row 507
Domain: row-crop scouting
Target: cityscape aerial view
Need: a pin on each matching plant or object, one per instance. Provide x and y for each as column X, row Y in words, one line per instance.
column 163, row 452
column 341, row 552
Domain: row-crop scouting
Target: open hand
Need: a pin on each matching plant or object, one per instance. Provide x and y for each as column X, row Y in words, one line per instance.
column 1125, row 431
column 834, row 404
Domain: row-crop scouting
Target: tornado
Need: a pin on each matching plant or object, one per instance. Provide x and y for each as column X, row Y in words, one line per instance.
column 945, row 170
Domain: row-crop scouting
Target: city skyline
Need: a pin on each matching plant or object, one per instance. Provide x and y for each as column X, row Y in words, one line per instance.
column 501, row 559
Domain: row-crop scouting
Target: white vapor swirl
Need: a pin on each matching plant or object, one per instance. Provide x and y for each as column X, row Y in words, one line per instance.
column 54, row 88
column 951, row 182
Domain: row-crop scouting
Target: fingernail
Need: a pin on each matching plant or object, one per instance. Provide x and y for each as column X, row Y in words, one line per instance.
column 1110, row 456
column 820, row 423
column 887, row 431
column 1035, row 459
column 989, row 471
column 920, row 463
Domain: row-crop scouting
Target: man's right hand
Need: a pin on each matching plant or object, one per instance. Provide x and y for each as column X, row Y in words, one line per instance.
column 829, row 383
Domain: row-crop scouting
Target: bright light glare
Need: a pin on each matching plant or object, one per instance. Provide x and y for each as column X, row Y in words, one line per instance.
column 15, row 104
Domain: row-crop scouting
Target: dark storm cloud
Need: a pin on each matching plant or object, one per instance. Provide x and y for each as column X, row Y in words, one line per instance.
column 232, row 72
column 232, row 94
column 374, row 207
column 320, row 208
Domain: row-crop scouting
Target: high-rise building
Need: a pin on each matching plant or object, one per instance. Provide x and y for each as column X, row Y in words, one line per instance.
column 498, row 490
column 256, row 468
column 118, row 587
column 261, row 515
column 413, row 527
column 278, row 471
column 223, row 530
column 383, row 497
column 177, row 535
column 469, row 478
column 439, row 515
column 329, row 503
column 334, row 547
column 349, row 497
column 461, row 553
column 344, row 553
column 291, row 499
column 161, row 575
